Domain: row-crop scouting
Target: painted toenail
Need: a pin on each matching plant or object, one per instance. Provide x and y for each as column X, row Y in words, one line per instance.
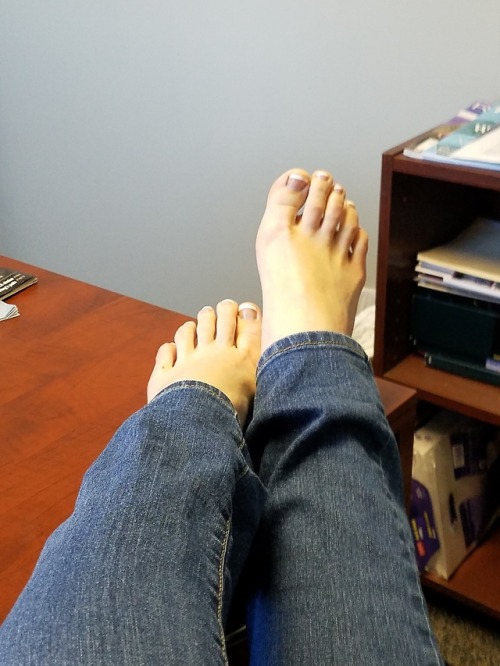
column 296, row 182
column 322, row 175
column 248, row 311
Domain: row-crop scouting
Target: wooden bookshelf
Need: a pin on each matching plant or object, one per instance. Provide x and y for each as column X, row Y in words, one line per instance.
column 423, row 204
column 473, row 398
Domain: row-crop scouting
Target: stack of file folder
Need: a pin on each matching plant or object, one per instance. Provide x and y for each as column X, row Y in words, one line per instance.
column 456, row 309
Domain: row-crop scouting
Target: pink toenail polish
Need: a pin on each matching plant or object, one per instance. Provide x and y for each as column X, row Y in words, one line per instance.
column 296, row 182
column 248, row 311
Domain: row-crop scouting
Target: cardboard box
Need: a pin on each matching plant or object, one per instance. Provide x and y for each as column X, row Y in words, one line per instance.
column 452, row 503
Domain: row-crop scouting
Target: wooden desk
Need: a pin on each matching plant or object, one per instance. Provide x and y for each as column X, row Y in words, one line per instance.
column 74, row 365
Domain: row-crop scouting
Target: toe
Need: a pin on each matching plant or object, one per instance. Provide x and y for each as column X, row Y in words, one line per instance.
column 248, row 311
column 185, row 339
column 205, row 329
column 287, row 196
column 249, row 328
column 348, row 228
column 360, row 249
column 165, row 361
column 166, row 356
column 334, row 212
column 291, row 183
column 317, row 198
column 227, row 312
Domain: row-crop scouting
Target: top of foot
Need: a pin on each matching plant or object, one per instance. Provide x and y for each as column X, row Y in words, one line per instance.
column 221, row 349
column 311, row 255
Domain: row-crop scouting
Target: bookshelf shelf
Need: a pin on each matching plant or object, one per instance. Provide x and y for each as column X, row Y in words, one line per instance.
column 448, row 391
column 424, row 204
column 475, row 583
column 483, row 178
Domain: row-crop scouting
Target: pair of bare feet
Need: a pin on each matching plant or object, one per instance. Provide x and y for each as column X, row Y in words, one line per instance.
column 311, row 256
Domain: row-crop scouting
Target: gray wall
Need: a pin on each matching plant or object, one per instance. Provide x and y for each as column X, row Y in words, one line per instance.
column 138, row 137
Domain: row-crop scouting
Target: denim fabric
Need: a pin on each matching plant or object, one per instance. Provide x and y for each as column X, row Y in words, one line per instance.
column 143, row 571
column 336, row 580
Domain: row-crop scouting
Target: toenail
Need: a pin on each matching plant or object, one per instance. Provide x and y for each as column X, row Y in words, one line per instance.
column 322, row 175
column 296, row 182
column 350, row 203
column 248, row 311
column 228, row 300
column 338, row 188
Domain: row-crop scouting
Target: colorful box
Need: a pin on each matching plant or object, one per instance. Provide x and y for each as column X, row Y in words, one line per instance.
column 453, row 496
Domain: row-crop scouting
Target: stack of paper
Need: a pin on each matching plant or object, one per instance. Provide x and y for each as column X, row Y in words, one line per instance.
column 468, row 266
column 458, row 329
column 8, row 310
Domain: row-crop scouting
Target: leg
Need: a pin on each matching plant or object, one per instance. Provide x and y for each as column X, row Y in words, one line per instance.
column 142, row 571
column 337, row 581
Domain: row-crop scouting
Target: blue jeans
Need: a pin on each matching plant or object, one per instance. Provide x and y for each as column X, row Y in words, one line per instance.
column 144, row 570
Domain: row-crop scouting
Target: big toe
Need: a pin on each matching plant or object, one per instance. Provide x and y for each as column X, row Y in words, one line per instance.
column 249, row 329
column 286, row 197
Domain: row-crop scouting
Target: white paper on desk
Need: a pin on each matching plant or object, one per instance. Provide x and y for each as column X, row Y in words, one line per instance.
column 8, row 310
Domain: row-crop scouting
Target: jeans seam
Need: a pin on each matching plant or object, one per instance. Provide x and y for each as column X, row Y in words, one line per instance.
column 213, row 391
column 220, row 595
column 310, row 343
column 407, row 551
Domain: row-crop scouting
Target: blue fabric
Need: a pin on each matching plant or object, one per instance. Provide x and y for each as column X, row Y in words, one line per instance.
column 337, row 581
column 144, row 569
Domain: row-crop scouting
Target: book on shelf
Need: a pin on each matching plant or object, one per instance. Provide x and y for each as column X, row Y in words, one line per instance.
column 458, row 283
column 456, row 314
column 433, row 136
column 468, row 265
column 474, row 144
column 456, row 325
column 463, row 366
column 13, row 281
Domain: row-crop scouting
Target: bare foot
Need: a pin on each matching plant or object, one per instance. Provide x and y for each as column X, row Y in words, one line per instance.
column 312, row 265
column 221, row 349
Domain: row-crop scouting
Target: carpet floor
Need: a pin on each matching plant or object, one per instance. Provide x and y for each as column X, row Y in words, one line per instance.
column 465, row 639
